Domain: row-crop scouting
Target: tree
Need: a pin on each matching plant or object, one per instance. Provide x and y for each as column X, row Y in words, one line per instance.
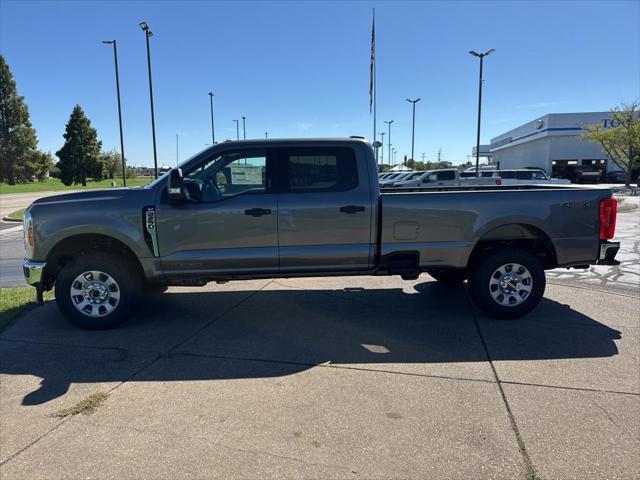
column 80, row 154
column 621, row 141
column 37, row 165
column 112, row 163
column 17, row 136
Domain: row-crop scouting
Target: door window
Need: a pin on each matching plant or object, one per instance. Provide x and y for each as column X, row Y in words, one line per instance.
column 228, row 174
column 446, row 175
column 321, row 170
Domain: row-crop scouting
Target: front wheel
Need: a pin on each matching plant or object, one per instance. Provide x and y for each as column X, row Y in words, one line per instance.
column 507, row 283
column 96, row 291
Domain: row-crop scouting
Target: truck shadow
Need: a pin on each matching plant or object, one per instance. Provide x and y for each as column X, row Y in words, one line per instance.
column 282, row 331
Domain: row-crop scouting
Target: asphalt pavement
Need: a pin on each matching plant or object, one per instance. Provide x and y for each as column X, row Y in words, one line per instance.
column 351, row 377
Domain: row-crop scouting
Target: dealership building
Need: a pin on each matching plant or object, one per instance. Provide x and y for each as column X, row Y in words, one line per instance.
column 551, row 143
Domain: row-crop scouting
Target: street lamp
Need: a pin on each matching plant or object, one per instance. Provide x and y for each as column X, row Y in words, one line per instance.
column 244, row 129
column 389, row 137
column 115, row 59
column 481, row 57
column 266, row 134
column 413, row 129
column 213, row 131
column 382, row 134
column 148, row 34
column 237, row 129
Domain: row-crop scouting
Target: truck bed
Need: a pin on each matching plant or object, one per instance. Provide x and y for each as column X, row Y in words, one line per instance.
column 444, row 224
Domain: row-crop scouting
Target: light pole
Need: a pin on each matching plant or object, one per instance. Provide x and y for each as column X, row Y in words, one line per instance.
column 237, row 129
column 115, row 59
column 213, row 131
column 382, row 134
column 413, row 129
column 389, row 137
column 148, row 34
column 244, row 129
column 266, row 134
column 177, row 155
column 481, row 57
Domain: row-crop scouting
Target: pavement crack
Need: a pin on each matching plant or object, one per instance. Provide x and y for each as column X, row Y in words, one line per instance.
column 528, row 463
column 606, row 414
column 228, row 447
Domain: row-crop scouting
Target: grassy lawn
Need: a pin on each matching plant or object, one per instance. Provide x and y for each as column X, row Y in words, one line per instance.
column 54, row 184
column 16, row 301
column 17, row 214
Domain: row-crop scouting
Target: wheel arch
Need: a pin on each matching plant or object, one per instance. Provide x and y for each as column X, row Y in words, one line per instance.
column 71, row 247
column 525, row 236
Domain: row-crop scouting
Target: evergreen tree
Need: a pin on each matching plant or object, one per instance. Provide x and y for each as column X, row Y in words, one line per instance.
column 80, row 154
column 17, row 136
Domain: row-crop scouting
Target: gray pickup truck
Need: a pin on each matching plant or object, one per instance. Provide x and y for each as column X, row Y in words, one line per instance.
column 292, row 208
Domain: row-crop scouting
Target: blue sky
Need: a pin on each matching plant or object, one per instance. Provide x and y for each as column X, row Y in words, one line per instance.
column 299, row 69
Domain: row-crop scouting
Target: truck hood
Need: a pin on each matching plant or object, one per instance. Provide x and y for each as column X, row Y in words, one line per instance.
column 97, row 195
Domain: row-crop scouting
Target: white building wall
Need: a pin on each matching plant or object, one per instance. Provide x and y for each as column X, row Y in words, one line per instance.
column 547, row 138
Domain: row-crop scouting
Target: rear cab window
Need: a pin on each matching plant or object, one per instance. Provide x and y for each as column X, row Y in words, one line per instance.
column 321, row 169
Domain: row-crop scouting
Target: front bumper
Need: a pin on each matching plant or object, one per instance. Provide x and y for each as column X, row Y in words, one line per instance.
column 33, row 271
column 608, row 252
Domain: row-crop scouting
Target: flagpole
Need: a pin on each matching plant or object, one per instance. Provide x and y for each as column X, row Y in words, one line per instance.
column 375, row 89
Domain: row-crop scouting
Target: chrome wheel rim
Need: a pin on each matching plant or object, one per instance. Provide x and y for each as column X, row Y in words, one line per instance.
column 510, row 284
column 95, row 293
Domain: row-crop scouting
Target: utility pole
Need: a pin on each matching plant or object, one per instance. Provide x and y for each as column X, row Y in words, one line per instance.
column 413, row 129
column 148, row 34
column 382, row 134
column 177, row 155
column 237, row 129
column 389, row 137
column 244, row 129
column 439, row 154
column 481, row 57
column 423, row 155
column 213, row 131
column 115, row 58
column 266, row 134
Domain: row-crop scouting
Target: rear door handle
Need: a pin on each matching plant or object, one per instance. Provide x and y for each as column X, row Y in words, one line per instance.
column 351, row 209
column 257, row 212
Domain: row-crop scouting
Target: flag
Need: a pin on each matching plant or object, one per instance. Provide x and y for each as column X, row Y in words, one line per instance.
column 373, row 63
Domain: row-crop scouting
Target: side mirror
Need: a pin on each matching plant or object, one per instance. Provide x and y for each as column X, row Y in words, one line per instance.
column 175, row 186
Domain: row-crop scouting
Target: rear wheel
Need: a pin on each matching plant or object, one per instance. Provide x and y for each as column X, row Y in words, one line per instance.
column 96, row 291
column 507, row 283
column 449, row 277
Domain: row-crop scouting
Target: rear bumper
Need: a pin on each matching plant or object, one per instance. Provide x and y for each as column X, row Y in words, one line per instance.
column 608, row 252
column 33, row 271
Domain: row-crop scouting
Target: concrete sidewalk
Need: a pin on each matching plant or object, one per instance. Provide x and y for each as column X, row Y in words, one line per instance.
column 328, row 378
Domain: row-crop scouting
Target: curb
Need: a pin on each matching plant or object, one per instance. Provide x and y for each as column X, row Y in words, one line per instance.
column 7, row 219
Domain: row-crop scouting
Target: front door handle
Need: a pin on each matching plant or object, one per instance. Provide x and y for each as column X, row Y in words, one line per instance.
column 257, row 212
column 351, row 209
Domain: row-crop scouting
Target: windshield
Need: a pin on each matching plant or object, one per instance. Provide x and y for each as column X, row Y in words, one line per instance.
column 155, row 182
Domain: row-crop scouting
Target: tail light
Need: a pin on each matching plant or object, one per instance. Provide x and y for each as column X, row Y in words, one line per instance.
column 608, row 213
column 498, row 181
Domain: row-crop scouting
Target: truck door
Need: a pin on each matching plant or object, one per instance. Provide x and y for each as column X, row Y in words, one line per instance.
column 230, row 223
column 324, row 210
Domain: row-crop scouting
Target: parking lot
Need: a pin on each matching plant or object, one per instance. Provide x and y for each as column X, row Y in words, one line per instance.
column 349, row 377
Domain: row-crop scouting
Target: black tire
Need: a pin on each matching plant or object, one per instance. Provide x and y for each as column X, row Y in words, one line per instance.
column 480, row 280
column 121, row 272
column 449, row 277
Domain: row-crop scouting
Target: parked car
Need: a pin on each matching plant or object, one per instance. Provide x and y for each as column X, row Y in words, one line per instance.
column 446, row 177
column 527, row 176
column 387, row 182
column 283, row 208
column 615, row 177
column 585, row 174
